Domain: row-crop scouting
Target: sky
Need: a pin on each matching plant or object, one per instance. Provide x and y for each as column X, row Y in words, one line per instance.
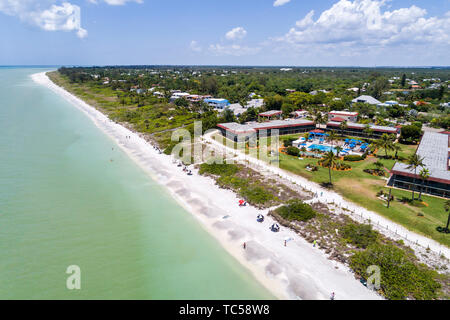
column 225, row 32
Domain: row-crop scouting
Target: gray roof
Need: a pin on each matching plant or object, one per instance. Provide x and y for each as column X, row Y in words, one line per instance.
column 366, row 99
column 236, row 108
column 362, row 126
column 434, row 148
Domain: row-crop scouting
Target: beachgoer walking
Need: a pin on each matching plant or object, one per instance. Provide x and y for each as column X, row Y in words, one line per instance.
column 314, row 243
column 332, row 296
column 285, row 243
column 244, row 245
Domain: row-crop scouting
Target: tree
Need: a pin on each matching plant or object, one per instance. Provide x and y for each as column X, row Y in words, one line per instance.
column 396, row 147
column 332, row 137
column 329, row 160
column 424, row 175
column 447, row 209
column 368, row 130
column 338, row 150
column 343, row 126
column 414, row 161
column 386, row 142
column 410, row 133
column 228, row 115
column 403, row 82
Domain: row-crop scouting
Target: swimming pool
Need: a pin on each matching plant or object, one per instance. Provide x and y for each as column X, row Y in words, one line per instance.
column 321, row 147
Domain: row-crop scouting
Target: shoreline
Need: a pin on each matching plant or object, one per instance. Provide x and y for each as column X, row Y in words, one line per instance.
column 297, row 271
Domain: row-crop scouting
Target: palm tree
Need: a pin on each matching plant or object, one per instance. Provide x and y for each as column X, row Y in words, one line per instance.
column 424, row 175
column 414, row 161
column 368, row 130
column 385, row 142
column 396, row 147
column 343, row 126
column 447, row 209
column 338, row 150
column 329, row 160
column 332, row 137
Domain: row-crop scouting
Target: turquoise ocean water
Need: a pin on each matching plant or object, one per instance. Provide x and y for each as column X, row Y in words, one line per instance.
column 63, row 202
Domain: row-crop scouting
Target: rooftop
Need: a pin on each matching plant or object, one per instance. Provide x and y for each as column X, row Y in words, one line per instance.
column 252, row 127
column 434, row 148
column 366, row 99
column 362, row 126
column 270, row 113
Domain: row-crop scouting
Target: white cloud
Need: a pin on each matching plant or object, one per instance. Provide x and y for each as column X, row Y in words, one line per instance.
column 195, row 46
column 279, row 3
column 362, row 22
column 64, row 17
column 366, row 32
column 233, row 50
column 236, row 33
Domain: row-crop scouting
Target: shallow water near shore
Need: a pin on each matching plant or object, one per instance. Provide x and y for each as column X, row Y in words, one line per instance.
column 70, row 196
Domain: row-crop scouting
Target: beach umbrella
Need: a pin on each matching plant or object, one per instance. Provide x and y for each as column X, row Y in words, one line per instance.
column 241, row 201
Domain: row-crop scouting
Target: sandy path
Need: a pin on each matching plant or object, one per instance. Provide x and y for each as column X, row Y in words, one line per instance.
column 297, row 271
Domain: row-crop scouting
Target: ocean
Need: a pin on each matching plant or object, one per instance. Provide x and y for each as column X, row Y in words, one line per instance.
column 70, row 197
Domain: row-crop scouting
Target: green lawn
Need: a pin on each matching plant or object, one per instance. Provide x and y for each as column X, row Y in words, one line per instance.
column 361, row 188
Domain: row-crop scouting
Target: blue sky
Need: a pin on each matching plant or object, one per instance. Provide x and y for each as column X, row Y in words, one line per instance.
column 225, row 32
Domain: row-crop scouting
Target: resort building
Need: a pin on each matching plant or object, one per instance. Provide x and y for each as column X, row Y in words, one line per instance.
column 242, row 132
column 341, row 116
column 269, row 115
column 217, row 103
column 358, row 129
column 434, row 149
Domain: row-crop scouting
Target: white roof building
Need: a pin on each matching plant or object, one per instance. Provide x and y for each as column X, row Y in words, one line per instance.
column 366, row 99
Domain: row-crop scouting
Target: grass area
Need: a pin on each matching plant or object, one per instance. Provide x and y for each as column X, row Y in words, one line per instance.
column 361, row 188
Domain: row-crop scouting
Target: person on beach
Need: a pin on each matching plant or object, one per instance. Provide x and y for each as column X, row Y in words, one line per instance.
column 314, row 243
column 244, row 245
column 285, row 243
column 332, row 296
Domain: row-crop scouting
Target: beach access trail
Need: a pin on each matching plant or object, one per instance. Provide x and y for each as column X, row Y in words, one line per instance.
column 390, row 228
column 295, row 271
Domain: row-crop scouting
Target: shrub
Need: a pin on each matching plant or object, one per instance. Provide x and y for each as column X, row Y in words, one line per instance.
column 296, row 210
column 216, row 169
column 256, row 194
column 401, row 276
column 353, row 157
column 288, row 142
column 361, row 235
column 293, row 151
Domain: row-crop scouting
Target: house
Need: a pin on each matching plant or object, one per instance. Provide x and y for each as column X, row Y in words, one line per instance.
column 268, row 115
column 366, row 99
column 236, row 108
column 177, row 95
column 217, row 103
column 434, row 148
column 242, row 132
column 255, row 103
column 343, row 115
column 299, row 114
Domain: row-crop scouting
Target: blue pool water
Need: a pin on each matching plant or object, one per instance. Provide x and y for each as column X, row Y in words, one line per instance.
column 321, row 147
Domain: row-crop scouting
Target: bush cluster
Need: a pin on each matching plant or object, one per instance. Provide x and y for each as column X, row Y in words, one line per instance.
column 296, row 210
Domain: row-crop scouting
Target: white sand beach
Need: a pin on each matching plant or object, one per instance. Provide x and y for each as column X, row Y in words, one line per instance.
column 297, row 271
